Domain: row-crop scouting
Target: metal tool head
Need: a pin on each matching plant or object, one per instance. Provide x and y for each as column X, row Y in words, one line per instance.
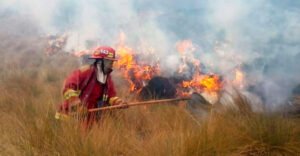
column 198, row 106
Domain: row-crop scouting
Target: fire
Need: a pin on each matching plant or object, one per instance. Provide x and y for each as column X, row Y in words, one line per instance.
column 55, row 43
column 125, row 59
column 210, row 83
column 137, row 74
column 204, row 83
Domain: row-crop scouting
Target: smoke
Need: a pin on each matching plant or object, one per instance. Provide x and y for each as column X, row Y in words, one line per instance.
column 260, row 37
column 265, row 35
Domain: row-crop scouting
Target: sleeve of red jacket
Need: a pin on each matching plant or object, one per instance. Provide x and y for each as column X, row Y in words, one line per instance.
column 71, row 86
column 71, row 90
column 71, row 93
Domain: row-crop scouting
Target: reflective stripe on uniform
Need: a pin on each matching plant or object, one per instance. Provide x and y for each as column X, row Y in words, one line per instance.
column 113, row 100
column 61, row 116
column 105, row 96
column 71, row 93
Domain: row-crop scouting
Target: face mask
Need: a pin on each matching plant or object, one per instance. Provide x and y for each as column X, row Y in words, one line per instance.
column 101, row 76
column 108, row 64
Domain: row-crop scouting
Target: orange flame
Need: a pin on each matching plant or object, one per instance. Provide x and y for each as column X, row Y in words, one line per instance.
column 199, row 83
column 204, row 83
column 55, row 44
column 137, row 74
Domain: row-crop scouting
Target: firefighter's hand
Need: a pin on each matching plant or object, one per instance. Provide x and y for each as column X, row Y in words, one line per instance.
column 123, row 104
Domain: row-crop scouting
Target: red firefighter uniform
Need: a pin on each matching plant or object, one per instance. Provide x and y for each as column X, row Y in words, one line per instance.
column 82, row 86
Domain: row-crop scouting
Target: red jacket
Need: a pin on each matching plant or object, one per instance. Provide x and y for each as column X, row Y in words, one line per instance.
column 82, row 85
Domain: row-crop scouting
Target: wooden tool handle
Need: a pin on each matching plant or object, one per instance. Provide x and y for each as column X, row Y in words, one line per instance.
column 137, row 103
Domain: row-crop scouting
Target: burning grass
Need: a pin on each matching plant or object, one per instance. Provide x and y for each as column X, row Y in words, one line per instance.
column 30, row 93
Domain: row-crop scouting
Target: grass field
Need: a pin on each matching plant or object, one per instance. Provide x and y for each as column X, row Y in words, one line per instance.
column 31, row 86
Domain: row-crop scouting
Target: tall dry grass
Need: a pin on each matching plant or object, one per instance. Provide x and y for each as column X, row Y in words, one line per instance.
column 31, row 88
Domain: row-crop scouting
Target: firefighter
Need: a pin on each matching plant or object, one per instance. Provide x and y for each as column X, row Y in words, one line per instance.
column 90, row 86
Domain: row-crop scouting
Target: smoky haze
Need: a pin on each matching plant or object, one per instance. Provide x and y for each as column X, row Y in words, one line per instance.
column 260, row 37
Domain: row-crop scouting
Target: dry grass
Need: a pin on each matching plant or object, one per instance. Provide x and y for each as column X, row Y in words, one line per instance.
column 31, row 88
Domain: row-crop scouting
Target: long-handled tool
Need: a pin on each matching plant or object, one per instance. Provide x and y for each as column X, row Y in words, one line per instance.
column 138, row 103
column 195, row 98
